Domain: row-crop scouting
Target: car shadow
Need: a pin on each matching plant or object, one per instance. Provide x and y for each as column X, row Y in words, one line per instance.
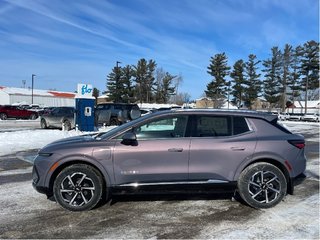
column 171, row 194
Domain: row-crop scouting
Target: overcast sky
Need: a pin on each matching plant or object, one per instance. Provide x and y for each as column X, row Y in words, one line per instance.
column 79, row 41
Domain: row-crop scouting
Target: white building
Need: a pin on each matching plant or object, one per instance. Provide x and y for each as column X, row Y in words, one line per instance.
column 299, row 106
column 44, row 98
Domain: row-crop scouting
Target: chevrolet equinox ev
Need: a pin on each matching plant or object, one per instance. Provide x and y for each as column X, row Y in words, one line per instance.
column 246, row 149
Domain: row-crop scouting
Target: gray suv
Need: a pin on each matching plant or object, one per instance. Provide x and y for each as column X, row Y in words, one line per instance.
column 249, row 151
column 58, row 117
column 116, row 113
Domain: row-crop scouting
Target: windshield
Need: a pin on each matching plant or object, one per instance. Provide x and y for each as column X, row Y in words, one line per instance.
column 120, row 128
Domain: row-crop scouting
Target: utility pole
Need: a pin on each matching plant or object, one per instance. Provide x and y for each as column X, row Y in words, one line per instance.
column 33, row 75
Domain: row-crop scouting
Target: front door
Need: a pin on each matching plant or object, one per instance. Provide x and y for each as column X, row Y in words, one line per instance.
column 160, row 153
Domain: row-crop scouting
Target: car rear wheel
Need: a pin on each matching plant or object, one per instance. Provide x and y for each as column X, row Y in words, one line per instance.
column 262, row 185
column 43, row 124
column 78, row 187
column 3, row 116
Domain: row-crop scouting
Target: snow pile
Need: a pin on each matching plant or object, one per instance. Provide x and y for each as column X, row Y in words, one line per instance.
column 12, row 142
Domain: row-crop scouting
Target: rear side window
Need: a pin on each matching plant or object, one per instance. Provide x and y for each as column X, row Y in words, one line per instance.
column 213, row 126
column 220, row 126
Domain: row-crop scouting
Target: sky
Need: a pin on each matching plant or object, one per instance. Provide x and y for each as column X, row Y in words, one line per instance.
column 79, row 41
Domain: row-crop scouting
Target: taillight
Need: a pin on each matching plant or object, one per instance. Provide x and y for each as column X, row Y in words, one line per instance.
column 297, row 143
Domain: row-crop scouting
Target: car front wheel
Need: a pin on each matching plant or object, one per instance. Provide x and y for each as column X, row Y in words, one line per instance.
column 43, row 124
column 262, row 185
column 66, row 125
column 78, row 187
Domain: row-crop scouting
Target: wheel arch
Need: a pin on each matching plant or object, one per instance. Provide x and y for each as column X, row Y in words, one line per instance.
column 276, row 163
column 53, row 176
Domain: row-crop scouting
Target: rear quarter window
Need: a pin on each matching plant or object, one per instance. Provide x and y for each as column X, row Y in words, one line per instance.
column 240, row 125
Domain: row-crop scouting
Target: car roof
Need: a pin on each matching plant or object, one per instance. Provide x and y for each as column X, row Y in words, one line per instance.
column 244, row 113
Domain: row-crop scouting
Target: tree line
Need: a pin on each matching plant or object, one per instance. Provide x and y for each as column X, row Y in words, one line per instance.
column 290, row 73
column 143, row 82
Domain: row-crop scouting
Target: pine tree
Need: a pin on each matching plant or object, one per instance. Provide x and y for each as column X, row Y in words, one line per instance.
column 164, row 86
column 272, row 81
column 218, row 69
column 286, row 68
column 115, row 89
column 150, row 81
column 237, row 75
column 294, row 81
column 127, row 74
column 145, row 81
column 310, row 68
column 140, row 74
column 253, row 81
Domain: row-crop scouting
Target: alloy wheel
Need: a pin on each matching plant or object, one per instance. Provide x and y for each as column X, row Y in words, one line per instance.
column 77, row 189
column 264, row 187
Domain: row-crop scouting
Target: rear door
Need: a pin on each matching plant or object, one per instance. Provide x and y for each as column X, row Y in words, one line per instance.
column 218, row 146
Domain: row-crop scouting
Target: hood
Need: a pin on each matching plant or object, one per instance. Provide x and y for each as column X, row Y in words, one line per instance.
column 67, row 143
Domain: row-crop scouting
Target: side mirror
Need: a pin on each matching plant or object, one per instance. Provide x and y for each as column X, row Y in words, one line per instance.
column 129, row 138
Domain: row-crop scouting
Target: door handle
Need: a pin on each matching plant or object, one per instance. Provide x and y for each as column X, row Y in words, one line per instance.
column 238, row 148
column 175, row 149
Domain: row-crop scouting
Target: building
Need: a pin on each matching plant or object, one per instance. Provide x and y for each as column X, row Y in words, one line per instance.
column 206, row 102
column 44, row 98
column 299, row 107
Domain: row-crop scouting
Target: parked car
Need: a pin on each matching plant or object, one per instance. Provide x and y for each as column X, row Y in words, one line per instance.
column 8, row 111
column 310, row 117
column 248, row 151
column 295, row 116
column 59, row 117
column 283, row 116
column 116, row 113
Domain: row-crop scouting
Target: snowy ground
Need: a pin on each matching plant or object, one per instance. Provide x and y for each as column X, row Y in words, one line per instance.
column 28, row 214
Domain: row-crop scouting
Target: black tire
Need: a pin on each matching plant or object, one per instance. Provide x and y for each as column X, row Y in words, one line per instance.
column 83, row 192
column 67, row 125
column 114, row 121
column 43, row 123
column 3, row 116
column 262, row 185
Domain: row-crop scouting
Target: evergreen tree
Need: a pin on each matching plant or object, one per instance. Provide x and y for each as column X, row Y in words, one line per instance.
column 140, row 74
column 238, row 83
column 167, row 88
column 95, row 94
column 310, row 68
column 294, row 81
column 286, row 68
column 150, row 81
column 164, row 86
column 272, row 81
column 218, row 69
column 253, row 82
column 127, row 74
column 145, row 81
column 115, row 89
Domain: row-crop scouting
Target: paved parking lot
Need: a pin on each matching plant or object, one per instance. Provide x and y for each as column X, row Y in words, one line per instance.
column 28, row 214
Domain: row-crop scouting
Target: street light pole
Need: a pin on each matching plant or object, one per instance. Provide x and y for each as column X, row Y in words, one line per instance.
column 33, row 75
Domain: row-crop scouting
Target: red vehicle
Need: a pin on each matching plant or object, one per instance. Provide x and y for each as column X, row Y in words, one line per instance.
column 16, row 112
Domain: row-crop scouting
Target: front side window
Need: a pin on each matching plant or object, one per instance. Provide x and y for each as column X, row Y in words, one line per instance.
column 168, row 127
